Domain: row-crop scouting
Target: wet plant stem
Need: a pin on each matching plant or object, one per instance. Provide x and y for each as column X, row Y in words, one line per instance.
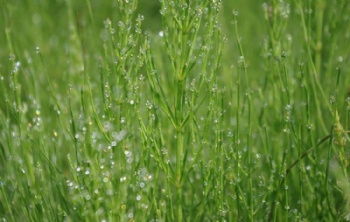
column 179, row 141
column 305, row 154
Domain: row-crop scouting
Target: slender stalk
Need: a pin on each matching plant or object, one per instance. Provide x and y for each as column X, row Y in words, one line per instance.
column 179, row 157
column 251, row 207
column 180, row 91
column 327, row 176
column 237, row 146
column 315, row 79
column 242, row 65
column 320, row 6
column 16, row 86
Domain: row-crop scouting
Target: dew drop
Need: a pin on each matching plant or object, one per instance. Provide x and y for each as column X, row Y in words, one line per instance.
column 129, row 160
column 12, row 57
column 340, row 59
column 141, row 17
column 142, row 184
column 130, row 215
column 120, row 24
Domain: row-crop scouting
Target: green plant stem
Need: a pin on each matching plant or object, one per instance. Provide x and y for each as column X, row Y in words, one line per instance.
column 178, row 179
column 327, row 176
column 297, row 161
column 16, row 85
column 251, row 207
column 237, row 145
column 180, row 90
column 309, row 151
column 320, row 5
column 286, row 202
column 315, row 79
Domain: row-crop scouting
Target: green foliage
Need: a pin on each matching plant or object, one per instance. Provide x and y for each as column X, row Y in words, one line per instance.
column 202, row 110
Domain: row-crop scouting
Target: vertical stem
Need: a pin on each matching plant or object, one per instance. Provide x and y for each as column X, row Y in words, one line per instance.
column 179, row 154
column 300, row 167
column 286, row 207
column 315, row 81
column 237, row 145
column 242, row 65
column 238, row 121
column 251, row 207
column 320, row 5
column 221, row 156
column 179, row 141
column 16, row 85
column 327, row 176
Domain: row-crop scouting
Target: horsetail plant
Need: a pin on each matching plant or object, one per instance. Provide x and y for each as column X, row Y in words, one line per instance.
column 201, row 110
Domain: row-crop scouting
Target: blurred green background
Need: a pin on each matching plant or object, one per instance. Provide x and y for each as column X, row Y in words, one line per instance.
column 45, row 24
